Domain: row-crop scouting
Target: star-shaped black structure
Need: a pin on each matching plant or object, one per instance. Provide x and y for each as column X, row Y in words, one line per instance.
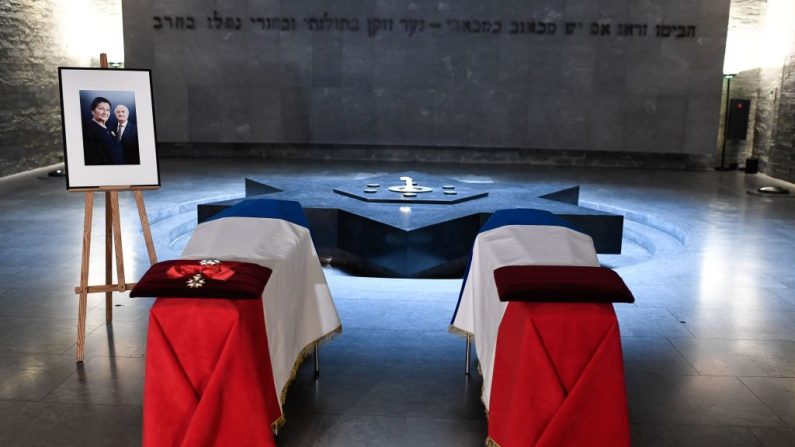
column 417, row 236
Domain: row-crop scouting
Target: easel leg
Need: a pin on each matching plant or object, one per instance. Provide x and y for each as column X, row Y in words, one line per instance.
column 468, row 354
column 317, row 359
column 113, row 242
column 108, row 258
column 83, row 294
column 114, row 201
column 150, row 246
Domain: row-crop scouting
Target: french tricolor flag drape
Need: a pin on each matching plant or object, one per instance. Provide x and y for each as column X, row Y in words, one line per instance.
column 552, row 372
column 217, row 370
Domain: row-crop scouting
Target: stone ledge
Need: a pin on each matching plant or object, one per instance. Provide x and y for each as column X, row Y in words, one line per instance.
column 439, row 154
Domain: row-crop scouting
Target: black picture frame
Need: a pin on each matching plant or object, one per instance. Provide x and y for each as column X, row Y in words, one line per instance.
column 98, row 152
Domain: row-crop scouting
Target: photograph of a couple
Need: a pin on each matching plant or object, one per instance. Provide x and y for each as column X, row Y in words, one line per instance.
column 108, row 128
column 110, row 134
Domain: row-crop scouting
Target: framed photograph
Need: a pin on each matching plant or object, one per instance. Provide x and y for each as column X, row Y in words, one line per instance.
column 108, row 128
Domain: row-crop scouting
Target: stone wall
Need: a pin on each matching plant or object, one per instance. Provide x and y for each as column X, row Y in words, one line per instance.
column 775, row 121
column 34, row 42
column 761, row 50
column 633, row 76
column 779, row 156
column 30, row 120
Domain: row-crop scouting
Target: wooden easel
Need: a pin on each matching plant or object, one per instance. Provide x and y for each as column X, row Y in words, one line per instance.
column 112, row 239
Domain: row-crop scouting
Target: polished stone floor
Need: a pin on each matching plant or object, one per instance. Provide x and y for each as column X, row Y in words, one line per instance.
column 709, row 345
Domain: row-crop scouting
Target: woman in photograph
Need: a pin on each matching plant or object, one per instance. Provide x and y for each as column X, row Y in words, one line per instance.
column 100, row 146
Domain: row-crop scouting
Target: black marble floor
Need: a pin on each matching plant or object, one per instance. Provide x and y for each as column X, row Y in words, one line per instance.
column 709, row 345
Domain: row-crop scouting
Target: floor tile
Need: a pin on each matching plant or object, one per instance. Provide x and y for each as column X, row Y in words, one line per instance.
column 386, row 431
column 696, row 400
column 650, row 355
column 727, row 298
column 777, row 393
column 118, row 339
column 649, row 322
column 714, row 357
column 775, row 436
column 776, row 357
column 749, row 324
column 69, row 425
column 30, row 377
column 786, row 294
column 423, row 392
column 37, row 335
column 395, row 315
column 395, row 348
column 645, row 435
column 37, row 302
column 103, row 381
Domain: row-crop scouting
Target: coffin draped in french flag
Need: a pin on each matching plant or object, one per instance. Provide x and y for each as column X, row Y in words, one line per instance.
column 538, row 307
column 237, row 314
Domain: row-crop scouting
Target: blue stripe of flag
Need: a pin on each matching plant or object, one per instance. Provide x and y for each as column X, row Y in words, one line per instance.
column 288, row 210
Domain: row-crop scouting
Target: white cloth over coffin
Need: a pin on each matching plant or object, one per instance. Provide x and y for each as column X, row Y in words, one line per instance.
column 480, row 310
column 297, row 302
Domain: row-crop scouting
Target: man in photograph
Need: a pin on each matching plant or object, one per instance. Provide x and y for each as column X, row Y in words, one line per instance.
column 127, row 135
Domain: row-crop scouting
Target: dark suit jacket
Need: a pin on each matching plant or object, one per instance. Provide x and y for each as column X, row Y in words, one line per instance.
column 129, row 144
column 100, row 146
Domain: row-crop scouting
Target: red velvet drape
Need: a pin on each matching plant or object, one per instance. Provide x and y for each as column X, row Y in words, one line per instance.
column 208, row 375
column 558, row 377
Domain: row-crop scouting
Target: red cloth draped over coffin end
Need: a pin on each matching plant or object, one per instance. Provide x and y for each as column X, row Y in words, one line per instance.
column 558, row 377
column 208, row 375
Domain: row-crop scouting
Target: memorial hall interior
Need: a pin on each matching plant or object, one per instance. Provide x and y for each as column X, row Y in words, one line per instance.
column 637, row 107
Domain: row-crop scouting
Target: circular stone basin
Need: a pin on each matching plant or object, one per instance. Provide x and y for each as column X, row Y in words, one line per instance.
column 373, row 185
column 414, row 189
column 370, row 190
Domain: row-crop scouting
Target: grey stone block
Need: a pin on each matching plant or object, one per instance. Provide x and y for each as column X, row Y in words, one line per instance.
column 676, row 70
column 357, row 64
column 173, row 113
column 643, row 69
column 642, row 11
column 654, row 124
column 296, row 115
column 405, row 116
column 295, row 60
column 204, row 122
column 701, row 124
column 345, row 115
column 500, row 120
column 577, row 69
column 452, row 118
column 264, row 115
column 390, row 70
column 610, row 67
column 326, row 61
column 557, row 121
column 614, row 9
column 577, row 10
column 607, row 123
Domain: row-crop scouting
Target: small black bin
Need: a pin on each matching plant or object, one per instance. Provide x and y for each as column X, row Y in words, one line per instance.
column 751, row 165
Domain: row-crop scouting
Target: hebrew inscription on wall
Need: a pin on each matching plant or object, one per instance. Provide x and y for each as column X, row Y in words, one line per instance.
column 624, row 75
column 410, row 26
